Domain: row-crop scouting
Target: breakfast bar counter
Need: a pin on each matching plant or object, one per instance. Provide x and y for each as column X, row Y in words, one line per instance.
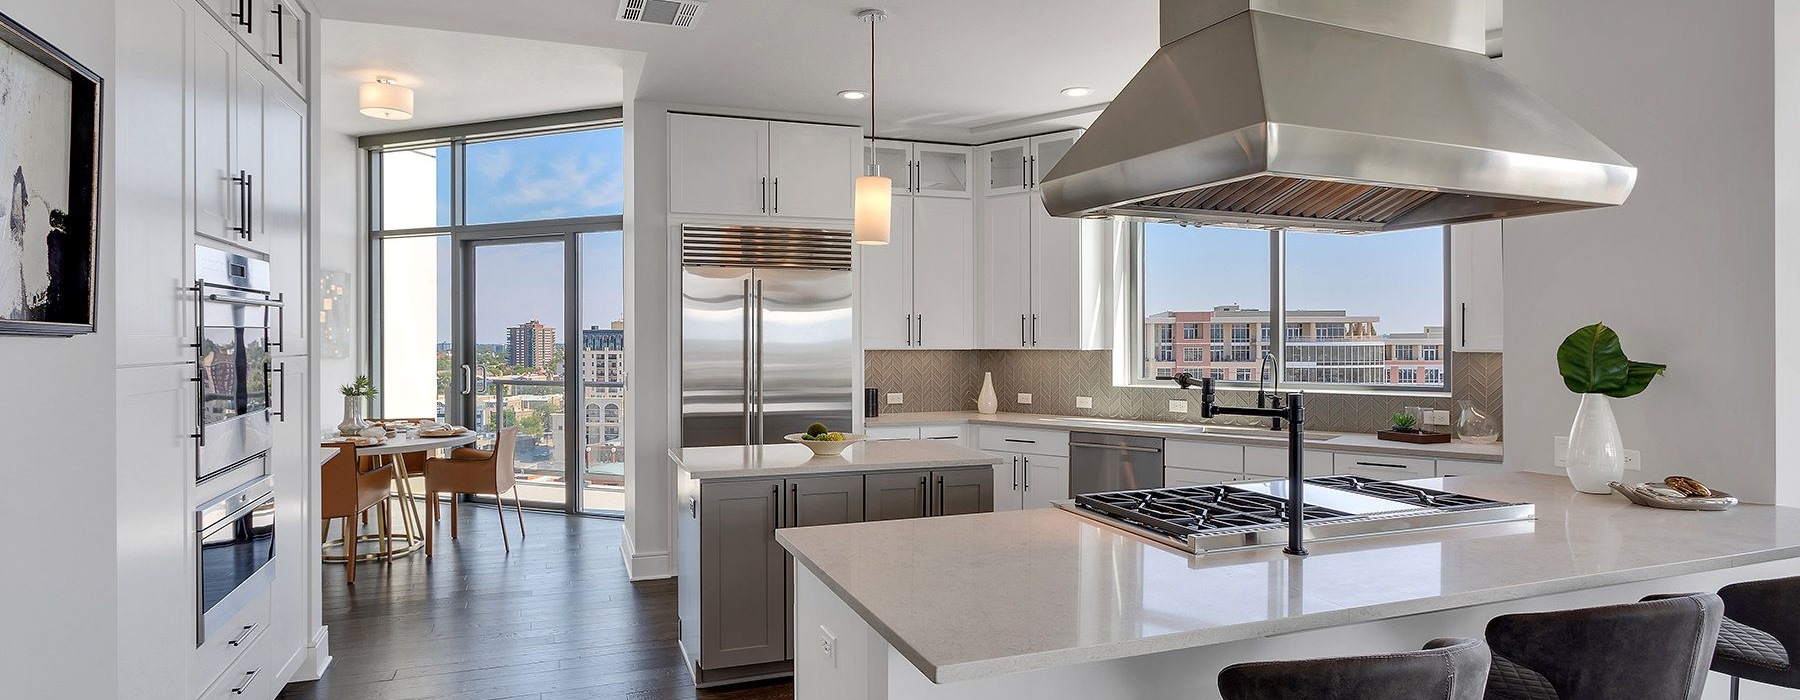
column 1048, row 604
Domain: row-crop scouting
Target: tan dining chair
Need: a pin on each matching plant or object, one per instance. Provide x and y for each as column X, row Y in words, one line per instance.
column 481, row 472
column 349, row 487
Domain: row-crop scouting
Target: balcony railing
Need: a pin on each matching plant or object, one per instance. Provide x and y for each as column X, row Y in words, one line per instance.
column 540, row 458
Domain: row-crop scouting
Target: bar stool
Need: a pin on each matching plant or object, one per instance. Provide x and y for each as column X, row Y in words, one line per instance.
column 1412, row 675
column 1761, row 625
column 1652, row 650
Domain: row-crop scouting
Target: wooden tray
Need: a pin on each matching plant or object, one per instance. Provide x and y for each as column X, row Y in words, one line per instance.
column 1414, row 438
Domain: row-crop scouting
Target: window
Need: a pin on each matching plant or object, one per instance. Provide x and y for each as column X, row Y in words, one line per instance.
column 1409, row 375
column 548, row 176
column 1193, row 354
column 1357, row 307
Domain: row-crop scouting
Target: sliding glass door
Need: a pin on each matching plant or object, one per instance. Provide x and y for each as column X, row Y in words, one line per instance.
column 516, row 301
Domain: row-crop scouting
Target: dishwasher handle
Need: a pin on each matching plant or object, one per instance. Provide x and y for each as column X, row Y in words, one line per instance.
column 1127, row 448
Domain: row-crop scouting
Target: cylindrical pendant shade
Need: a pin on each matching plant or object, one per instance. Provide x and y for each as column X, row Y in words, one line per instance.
column 383, row 99
column 874, row 209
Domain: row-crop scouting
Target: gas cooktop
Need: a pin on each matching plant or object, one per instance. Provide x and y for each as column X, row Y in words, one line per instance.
column 1203, row 519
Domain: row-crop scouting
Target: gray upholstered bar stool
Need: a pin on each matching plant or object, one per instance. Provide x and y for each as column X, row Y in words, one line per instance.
column 1652, row 650
column 1448, row 669
column 1761, row 626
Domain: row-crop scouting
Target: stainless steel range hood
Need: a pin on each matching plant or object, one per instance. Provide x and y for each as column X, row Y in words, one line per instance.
column 1330, row 115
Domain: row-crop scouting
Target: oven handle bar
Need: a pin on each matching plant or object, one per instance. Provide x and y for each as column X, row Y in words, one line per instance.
column 270, row 303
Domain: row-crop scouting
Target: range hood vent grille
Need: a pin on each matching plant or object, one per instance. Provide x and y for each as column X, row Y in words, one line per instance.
column 667, row 13
column 1291, row 198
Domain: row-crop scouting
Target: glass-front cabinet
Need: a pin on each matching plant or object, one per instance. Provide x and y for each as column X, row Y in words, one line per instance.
column 1020, row 166
column 932, row 170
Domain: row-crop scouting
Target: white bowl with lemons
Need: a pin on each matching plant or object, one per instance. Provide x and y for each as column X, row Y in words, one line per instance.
column 826, row 443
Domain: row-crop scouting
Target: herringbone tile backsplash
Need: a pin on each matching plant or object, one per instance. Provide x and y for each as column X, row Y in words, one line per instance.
column 948, row 380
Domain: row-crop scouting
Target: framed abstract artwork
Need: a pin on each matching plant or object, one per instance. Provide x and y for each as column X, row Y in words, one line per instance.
column 49, row 187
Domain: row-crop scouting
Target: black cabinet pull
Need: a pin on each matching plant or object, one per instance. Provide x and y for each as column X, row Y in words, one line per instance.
column 778, row 195
column 243, row 227
column 794, row 505
column 280, row 35
column 924, row 498
column 250, row 208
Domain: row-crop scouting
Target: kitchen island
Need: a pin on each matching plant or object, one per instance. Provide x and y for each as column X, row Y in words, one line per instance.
column 1048, row 604
column 735, row 583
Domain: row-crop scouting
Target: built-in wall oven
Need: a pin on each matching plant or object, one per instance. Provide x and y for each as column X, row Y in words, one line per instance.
column 235, row 317
column 235, row 536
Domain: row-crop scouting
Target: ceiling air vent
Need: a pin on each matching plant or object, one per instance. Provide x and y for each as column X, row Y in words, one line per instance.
column 668, row 13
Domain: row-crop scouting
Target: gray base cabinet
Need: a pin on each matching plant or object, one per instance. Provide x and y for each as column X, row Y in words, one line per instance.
column 745, row 589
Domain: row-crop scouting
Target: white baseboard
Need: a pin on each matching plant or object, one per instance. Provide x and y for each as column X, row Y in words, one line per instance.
column 644, row 566
column 318, row 656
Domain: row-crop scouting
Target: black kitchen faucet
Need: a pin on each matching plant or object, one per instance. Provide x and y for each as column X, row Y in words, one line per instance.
column 1292, row 409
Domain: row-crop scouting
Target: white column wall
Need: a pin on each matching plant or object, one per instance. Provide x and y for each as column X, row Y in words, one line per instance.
column 1685, row 270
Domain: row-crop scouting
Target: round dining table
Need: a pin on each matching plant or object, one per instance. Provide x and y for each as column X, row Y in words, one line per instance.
column 388, row 453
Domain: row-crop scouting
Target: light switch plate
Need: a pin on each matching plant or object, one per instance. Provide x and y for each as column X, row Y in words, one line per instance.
column 1634, row 460
column 828, row 646
column 1024, row 399
column 1437, row 417
column 1084, row 402
column 896, row 398
column 1177, row 406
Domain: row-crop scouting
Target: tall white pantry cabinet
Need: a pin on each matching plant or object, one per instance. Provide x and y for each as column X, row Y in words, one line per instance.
column 209, row 102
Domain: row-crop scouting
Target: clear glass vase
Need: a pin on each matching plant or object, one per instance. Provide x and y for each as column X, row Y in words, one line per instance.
column 1474, row 426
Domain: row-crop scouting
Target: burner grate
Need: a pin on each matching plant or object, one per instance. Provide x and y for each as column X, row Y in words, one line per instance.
column 1196, row 510
column 1402, row 493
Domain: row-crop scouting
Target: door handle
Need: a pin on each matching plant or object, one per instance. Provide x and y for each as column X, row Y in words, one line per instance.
column 1462, row 336
column 243, row 16
column 249, row 207
column 1027, row 470
column 924, row 498
column 1021, row 330
column 761, row 426
column 749, row 401
column 1127, row 448
column 281, row 408
column 243, row 227
column 921, row 330
column 778, row 194
column 1015, row 472
column 1033, row 171
column 763, row 189
column 468, row 380
column 775, row 500
column 794, row 504
column 909, row 340
column 1034, row 330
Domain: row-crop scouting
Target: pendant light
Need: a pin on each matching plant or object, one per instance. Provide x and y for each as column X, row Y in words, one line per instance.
column 874, row 193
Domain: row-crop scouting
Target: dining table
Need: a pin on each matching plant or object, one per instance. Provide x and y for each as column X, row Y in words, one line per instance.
column 388, row 453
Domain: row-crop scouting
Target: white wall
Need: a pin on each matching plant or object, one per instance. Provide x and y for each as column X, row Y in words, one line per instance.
column 56, row 583
column 341, row 249
column 1685, row 270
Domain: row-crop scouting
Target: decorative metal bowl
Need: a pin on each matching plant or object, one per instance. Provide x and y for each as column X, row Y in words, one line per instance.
column 1656, row 495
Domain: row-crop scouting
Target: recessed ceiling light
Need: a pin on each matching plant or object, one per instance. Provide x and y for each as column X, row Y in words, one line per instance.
column 853, row 94
column 1077, row 91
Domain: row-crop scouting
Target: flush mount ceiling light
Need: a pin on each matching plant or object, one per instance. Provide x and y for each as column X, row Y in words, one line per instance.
column 853, row 94
column 1077, row 91
column 386, row 99
column 874, row 193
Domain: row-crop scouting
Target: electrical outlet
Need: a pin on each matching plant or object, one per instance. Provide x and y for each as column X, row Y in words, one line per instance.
column 1437, row 417
column 1634, row 460
column 1177, row 406
column 1084, row 402
column 1024, row 399
column 896, row 398
column 828, row 646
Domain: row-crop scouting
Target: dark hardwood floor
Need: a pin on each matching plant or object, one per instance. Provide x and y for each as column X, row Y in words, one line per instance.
column 554, row 619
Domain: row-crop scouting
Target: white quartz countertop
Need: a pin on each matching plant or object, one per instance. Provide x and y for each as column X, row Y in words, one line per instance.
column 1343, row 442
column 973, row 596
column 760, row 461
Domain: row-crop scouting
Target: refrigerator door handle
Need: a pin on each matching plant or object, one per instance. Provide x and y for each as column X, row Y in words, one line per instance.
column 759, row 355
column 749, row 404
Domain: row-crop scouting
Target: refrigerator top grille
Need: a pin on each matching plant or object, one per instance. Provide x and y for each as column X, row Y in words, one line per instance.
column 748, row 246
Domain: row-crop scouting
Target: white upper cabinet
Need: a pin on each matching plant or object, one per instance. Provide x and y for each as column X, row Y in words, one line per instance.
column 284, row 42
column 153, row 305
column 718, row 165
column 923, row 169
column 247, row 152
column 217, row 199
column 1003, row 254
column 943, row 276
column 1055, row 279
column 1046, row 151
column 918, row 290
column 1478, row 310
column 1008, row 167
column 747, row 167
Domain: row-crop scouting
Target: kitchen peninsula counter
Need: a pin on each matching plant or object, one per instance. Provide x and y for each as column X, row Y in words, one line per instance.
column 1048, row 604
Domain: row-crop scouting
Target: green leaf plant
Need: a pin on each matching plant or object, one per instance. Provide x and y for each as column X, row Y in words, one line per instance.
column 1592, row 362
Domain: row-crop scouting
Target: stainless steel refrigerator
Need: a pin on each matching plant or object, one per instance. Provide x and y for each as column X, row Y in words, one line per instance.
column 766, row 346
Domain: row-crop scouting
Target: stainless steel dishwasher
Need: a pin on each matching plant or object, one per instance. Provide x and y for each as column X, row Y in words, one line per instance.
column 1101, row 462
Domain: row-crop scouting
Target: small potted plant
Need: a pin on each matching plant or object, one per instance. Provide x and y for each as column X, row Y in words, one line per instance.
column 355, row 394
column 1404, row 427
column 1593, row 364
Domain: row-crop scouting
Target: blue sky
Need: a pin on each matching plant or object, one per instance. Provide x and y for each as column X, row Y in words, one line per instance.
column 556, row 176
column 1398, row 276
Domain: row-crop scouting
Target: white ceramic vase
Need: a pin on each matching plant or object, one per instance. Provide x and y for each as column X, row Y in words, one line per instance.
column 1596, row 452
column 353, row 417
column 987, row 403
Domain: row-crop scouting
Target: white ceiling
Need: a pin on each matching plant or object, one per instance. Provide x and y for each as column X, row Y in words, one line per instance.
column 460, row 77
column 966, row 71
